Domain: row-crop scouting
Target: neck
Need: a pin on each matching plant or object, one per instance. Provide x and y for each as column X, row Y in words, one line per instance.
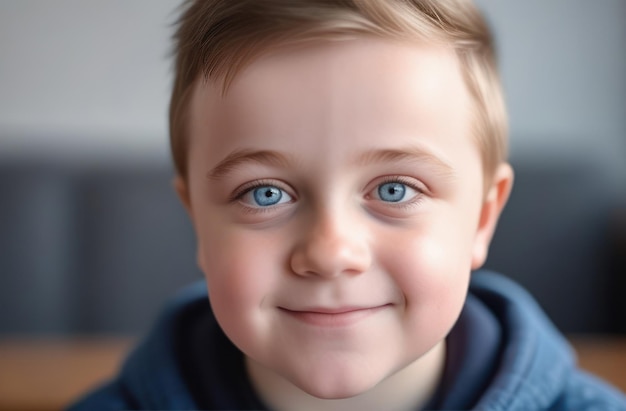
column 406, row 390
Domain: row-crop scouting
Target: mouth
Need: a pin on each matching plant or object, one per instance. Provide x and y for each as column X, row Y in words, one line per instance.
column 332, row 317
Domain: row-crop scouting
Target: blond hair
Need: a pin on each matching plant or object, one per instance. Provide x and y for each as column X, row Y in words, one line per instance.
column 218, row 38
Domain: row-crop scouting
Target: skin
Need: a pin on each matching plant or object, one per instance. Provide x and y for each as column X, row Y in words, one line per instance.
column 339, row 297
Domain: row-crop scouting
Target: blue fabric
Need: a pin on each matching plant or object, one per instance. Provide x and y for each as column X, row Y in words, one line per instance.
column 472, row 357
column 537, row 369
column 503, row 354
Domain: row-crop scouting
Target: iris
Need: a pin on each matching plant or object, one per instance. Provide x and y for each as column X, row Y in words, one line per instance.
column 391, row 192
column 267, row 195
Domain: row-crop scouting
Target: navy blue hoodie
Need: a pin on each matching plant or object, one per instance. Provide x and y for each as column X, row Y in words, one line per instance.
column 502, row 354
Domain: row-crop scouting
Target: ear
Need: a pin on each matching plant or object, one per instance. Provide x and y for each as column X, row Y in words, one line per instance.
column 182, row 189
column 494, row 202
column 180, row 186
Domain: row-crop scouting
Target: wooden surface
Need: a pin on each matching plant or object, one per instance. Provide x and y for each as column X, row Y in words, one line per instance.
column 42, row 375
column 48, row 374
column 605, row 357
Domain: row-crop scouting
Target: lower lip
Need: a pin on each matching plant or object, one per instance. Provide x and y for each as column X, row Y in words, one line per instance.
column 342, row 319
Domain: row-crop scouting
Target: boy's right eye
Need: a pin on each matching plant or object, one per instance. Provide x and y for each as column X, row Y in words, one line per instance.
column 264, row 196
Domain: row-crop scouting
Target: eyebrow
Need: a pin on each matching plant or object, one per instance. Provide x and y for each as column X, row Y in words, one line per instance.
column 412, row 154
column 242, row 156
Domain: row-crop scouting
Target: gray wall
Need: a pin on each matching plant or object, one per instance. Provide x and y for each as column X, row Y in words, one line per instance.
column 94, row 75
column 85, row 77
column 564, row 70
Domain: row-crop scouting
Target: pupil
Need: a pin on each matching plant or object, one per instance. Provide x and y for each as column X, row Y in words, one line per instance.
column 268, row 193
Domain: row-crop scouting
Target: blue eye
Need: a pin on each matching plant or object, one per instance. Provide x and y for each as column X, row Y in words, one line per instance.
column 395, row 192
column 265, row 196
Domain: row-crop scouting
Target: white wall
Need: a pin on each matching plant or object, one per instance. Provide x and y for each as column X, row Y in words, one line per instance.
column 88, row 77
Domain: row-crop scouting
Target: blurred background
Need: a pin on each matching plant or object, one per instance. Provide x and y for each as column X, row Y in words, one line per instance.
column 93, row 240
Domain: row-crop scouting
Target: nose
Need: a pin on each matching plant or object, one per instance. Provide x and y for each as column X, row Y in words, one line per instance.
column 331, row 245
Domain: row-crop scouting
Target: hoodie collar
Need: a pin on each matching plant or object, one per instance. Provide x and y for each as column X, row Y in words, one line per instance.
column 536, row 360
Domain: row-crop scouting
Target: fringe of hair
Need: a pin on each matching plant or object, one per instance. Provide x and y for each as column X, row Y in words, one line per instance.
column 217, row 39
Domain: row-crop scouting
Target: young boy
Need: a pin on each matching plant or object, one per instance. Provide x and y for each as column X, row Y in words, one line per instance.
column 344, row 166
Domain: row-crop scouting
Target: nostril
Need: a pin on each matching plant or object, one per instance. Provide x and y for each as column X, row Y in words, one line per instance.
column 331, row 260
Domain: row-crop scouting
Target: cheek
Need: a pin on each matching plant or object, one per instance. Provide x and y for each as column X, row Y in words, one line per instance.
column 434, row 289
column 232, row 267
column 432, row 273
column 241, row 270
column 237, row 281
column 432, row 252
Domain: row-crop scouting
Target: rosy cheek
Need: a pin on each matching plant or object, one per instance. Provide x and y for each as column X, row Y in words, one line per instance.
column 431, row 264
column 240, row 268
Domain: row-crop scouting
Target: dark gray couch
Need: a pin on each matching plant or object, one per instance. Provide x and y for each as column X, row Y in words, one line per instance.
column 97, row 249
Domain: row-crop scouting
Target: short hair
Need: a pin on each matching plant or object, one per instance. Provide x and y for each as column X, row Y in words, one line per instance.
column 218, row 38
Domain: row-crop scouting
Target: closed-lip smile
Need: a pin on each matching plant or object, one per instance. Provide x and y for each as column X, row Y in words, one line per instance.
column 332, row 317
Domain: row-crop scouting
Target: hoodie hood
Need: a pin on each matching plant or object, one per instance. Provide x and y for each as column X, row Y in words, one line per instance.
column 534, row 370
column 536, row 360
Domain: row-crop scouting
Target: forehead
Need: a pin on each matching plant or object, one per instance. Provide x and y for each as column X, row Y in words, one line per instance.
column 335, row 90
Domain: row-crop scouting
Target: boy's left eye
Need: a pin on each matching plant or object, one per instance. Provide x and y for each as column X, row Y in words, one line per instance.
column 394, row 192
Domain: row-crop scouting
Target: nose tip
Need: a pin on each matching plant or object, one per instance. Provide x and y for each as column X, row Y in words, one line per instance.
column 330, row 250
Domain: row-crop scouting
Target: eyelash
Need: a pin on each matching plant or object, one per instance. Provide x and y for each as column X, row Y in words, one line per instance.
column 246, row 188
column 402, row 180
column 407, row 182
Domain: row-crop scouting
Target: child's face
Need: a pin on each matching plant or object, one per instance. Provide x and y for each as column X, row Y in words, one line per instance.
column 337, row 193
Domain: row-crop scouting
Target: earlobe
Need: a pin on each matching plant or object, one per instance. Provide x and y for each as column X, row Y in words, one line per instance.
column 495, row 200
column 180, row 186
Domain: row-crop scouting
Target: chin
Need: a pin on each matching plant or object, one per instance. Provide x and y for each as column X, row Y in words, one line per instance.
column 335, row 387
column 332, row 393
